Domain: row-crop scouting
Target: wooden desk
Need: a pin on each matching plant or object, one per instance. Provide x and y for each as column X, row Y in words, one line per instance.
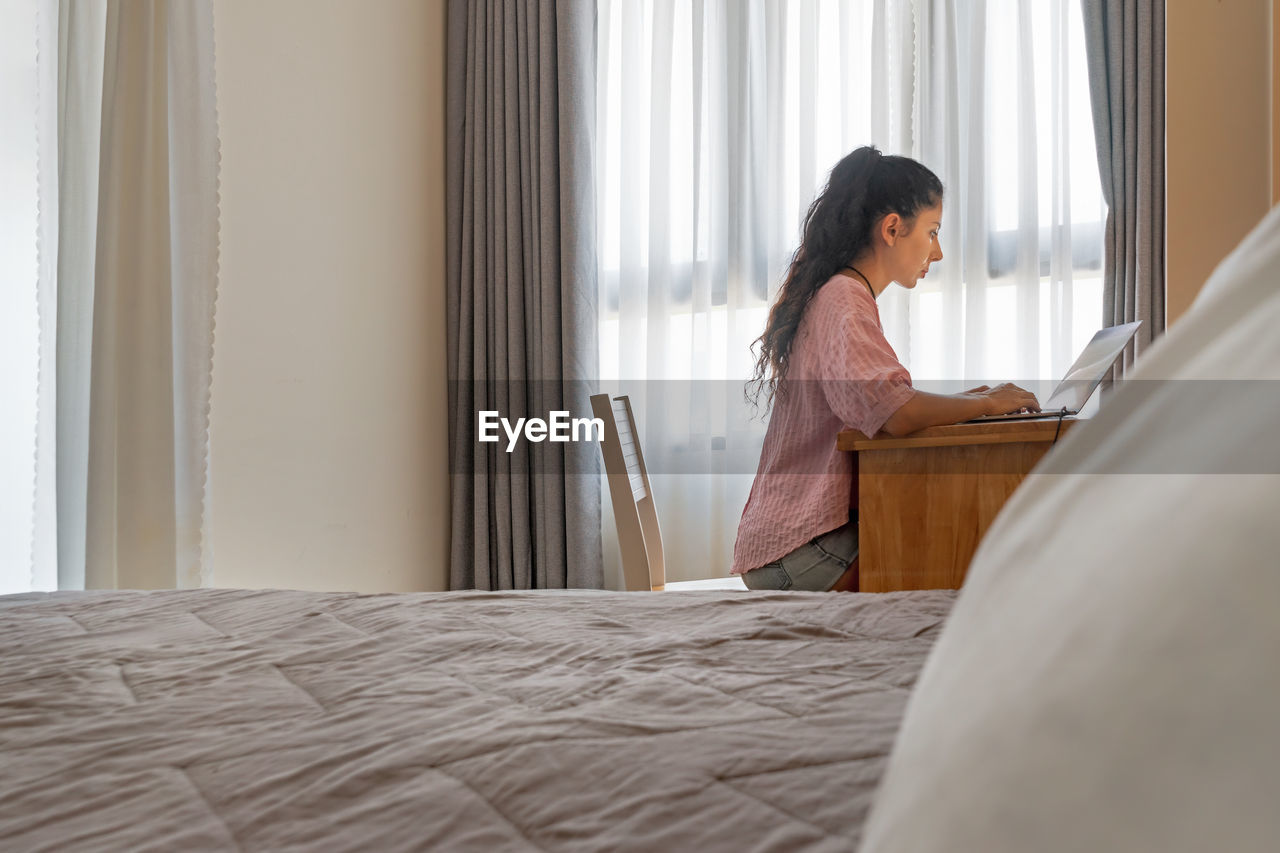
column 926, row 500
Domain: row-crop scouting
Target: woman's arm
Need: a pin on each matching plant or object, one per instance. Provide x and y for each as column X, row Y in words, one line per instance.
column 926, row 410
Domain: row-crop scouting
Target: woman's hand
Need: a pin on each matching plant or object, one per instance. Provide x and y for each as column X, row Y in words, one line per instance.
column 1005, row 398
column 926, row 410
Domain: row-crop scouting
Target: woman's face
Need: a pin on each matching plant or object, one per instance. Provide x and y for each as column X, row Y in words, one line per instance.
column 916, row 248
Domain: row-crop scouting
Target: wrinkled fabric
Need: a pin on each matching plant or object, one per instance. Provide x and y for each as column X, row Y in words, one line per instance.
column 216, row 719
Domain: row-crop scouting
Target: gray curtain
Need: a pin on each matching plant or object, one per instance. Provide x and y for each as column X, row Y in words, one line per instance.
column 1125, row 44
column 522, row 289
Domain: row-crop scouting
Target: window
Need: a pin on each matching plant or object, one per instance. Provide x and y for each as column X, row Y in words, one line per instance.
column 717, row 124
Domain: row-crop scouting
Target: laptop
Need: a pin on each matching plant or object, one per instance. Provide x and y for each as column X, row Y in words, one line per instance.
column 1078, row 385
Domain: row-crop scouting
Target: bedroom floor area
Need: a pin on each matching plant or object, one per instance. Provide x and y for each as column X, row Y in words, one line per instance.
column 733, row 583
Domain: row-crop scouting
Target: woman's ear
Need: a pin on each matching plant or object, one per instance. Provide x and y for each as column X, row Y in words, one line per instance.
column 891, row 227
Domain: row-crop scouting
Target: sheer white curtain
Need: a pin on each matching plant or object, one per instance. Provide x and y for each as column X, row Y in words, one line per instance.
column 718, row 121
column 114, row 263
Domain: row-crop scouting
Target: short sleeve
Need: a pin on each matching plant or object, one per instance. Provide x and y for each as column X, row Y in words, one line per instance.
column 862, row 379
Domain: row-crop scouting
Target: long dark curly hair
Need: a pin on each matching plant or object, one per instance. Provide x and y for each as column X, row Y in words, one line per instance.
column 863, row 187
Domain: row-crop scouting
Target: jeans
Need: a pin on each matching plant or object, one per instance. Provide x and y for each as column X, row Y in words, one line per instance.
column 815, row 566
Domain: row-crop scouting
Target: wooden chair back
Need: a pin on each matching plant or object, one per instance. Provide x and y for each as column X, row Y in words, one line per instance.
column 639, row 536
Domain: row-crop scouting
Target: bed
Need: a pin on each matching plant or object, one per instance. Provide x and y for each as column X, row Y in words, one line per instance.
column 1106, row 679
column 224, row 719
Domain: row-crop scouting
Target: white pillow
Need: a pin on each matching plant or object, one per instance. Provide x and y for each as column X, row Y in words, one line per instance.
column 1110, row 676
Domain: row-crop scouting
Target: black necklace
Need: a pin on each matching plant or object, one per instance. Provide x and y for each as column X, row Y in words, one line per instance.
column 851, row 268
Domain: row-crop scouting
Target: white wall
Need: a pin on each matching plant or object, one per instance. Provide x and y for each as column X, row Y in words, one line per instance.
column 329, row 440
column 19, row 326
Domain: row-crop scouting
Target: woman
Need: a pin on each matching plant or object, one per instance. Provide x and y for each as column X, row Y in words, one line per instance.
column 825, row 365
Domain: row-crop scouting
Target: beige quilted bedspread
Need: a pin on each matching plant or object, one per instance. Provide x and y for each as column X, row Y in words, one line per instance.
column 224, row 719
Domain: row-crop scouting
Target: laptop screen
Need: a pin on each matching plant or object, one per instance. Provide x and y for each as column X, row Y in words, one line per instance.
column 1090, row 368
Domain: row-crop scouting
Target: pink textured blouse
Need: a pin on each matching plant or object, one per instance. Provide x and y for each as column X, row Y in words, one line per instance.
column 843, row 373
